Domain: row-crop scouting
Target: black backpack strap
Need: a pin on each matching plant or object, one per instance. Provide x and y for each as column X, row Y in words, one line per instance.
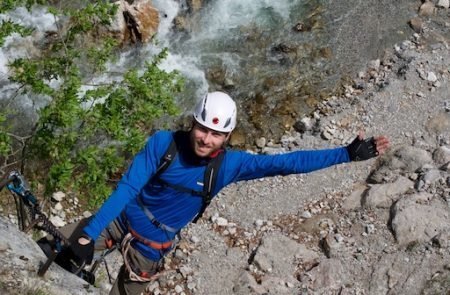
column 166, row 159
column 209, row 183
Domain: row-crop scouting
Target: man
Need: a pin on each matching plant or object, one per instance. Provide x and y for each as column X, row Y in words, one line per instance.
column 149, row 207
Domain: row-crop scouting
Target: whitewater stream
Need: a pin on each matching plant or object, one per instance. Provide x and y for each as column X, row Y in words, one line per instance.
column 277, row 58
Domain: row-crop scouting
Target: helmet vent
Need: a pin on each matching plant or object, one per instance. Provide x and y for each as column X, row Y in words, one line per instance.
column 227, row 122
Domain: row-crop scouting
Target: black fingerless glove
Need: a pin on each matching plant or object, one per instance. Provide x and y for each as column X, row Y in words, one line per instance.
column 82, row 253
column 360, row 150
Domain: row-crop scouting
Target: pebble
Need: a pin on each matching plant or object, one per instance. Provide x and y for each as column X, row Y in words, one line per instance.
column 220, row 221
column 261, row 142
column 186, row 270
column 3, row 246
column 87, row 214
column 289, row 285
column 306, row 214
column 370, row 228
column 191, row 286
column 178, row 289
column 152, row 286
column 259, row 223
column 447, row 106
column 431, row 77
column 58, row 196
column 57, row 221
column 339, row 238
column 58, row 206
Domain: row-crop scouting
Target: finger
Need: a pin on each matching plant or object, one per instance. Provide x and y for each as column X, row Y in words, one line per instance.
column 381, row 141
column 361, row 134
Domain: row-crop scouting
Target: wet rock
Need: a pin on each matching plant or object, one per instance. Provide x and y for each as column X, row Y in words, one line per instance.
column 136, row 22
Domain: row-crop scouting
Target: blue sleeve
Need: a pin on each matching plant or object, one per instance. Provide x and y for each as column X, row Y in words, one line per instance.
column 138, row 174
column 247, row 166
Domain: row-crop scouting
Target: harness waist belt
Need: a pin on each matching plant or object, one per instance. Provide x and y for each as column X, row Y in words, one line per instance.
column 150, row 243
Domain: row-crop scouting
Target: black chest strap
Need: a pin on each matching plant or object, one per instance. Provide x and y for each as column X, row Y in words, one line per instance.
column 209, row 182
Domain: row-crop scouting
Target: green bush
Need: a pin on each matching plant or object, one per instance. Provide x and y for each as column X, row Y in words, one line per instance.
column 83, row 138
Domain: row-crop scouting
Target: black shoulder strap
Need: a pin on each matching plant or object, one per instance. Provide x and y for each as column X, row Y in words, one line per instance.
column 166, row 159
column 209, row 183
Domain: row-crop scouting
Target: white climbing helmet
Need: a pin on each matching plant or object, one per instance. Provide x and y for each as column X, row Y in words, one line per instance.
column 216, row 111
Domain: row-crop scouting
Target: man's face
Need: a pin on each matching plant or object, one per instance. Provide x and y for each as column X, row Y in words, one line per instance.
column 206, row 141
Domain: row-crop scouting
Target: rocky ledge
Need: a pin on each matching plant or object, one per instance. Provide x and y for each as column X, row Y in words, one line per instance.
column 375, row 227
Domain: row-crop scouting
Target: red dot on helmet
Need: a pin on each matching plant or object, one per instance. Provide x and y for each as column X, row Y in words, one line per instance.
column 215, row 120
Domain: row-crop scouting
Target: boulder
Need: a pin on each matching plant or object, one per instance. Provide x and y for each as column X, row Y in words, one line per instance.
column 383, row 195
column 419, row 218
column 441, row 156
column 137, row 22
column 403, row 159
column 19, row 262
column 427, row 8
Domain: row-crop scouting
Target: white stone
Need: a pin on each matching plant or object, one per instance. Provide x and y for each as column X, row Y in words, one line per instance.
column 375, row 64
column 259, row 222
column 220, row 221
column 58, row 196
column 178, row 289
column 443, row 3
column 87, row 214
column 191, row 286
column 306, row 214
column 58, row 206
column 186, row 270
column 261, row 142
column 431, row 77
column 152, row 286
column 57, row 221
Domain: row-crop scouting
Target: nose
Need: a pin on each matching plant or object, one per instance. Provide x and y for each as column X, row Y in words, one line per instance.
column 206, row 139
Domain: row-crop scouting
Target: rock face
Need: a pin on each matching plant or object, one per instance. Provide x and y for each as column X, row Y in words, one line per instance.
column 20, row 258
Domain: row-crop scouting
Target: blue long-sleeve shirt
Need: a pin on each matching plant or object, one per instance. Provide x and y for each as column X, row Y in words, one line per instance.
column 175, row 208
